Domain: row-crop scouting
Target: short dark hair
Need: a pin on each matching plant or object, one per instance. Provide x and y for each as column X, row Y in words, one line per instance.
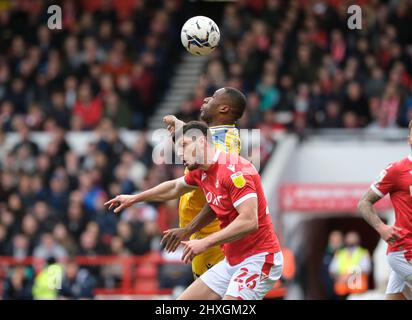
column 237, row 100
column 198, row 125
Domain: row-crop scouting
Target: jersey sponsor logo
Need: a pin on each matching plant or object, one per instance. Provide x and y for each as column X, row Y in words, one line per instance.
column 238, row 179
column 212, row 198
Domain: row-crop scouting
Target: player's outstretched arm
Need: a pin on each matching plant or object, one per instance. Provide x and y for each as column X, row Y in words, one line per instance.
column 205, row 217
column 245, row 223
column 366, row 207
column 172, row 237
column 165, row 191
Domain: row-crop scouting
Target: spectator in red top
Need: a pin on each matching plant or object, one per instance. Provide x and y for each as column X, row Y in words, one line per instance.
column 87, row 107
column 117, row 64
column 338, row 46
column 143, row 82
column 390, row 105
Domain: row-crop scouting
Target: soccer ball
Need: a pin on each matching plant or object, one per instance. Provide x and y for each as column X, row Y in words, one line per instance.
column 200, row 35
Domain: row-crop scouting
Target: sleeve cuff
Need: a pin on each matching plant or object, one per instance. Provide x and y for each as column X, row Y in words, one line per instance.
column 183, row 181
column 377, row 191
column 244, row 198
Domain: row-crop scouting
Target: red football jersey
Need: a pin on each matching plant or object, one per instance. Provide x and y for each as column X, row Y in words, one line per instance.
column 228, row 182
column 396, row 179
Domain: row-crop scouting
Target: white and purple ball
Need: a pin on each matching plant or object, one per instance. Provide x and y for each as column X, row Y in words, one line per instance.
column 200, row 35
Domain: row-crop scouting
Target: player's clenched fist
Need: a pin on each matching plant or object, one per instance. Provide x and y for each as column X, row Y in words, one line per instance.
column 172, row 123
column 120, row 202
column 192, row 248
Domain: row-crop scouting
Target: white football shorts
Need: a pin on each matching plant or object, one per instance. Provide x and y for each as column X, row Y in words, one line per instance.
column 249, row 280
column 400, row 277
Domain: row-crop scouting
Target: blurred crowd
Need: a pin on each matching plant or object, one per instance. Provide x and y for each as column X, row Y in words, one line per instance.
column 107, row 60
column 103, row 71
column 52, row 200
column 302, row 67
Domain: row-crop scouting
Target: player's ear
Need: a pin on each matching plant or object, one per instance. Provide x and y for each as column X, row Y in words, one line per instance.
column 224, row 108
column 206, row 140
column 202, row 139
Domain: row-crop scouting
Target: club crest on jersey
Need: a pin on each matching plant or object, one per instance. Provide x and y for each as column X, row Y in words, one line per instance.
column 203, row 176
column 238, row 179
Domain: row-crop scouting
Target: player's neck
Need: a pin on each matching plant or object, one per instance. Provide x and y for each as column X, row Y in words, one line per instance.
column 220, row 122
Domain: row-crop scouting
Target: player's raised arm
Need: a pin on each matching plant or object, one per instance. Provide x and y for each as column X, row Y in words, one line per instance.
column 368, row 211
column 165, row 191
column 205, row 217
column 172, row 123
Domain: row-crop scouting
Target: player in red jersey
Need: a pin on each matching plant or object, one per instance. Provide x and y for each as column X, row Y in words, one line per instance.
column 232, row 187
column 395, row 179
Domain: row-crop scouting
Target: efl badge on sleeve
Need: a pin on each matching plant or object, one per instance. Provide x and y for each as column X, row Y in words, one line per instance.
column 238, row 179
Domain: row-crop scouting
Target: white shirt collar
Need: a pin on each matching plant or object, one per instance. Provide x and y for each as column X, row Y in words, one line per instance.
column 217, row 154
